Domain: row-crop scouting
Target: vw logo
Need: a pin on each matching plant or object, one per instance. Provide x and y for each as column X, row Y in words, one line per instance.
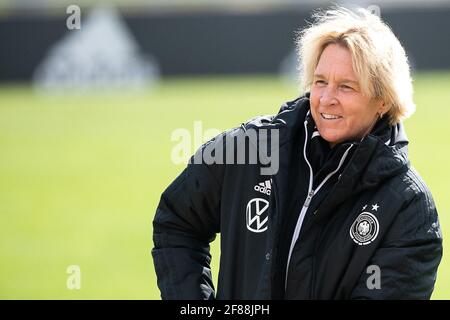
column 257, row 215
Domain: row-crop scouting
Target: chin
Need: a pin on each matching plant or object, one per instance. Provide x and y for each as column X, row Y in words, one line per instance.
column 332, row 139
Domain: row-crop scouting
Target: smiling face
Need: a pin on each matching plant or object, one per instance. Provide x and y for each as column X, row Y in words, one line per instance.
column 338, row 106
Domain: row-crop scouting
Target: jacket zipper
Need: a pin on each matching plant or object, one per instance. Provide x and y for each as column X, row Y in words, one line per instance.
column 311, row 194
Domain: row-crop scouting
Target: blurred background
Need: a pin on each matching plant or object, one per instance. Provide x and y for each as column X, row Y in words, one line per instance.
column 93, row 93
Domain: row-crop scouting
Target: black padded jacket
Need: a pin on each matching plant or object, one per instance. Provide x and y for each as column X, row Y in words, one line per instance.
column 356, row 222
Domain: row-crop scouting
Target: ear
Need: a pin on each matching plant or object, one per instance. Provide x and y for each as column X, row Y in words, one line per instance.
column 382, row 107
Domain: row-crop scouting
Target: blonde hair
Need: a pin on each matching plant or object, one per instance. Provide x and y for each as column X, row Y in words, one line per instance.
column 378, row 58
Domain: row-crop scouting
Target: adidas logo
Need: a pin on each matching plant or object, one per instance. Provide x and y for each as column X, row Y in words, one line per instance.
column 264, row 187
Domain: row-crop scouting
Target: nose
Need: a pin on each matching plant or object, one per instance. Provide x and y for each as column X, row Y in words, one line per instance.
column 328, row 97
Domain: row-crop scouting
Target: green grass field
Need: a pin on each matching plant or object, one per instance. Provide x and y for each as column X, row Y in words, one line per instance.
column 80, row 177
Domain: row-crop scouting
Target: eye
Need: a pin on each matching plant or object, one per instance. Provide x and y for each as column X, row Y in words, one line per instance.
column 320, row 82
column 346, row 87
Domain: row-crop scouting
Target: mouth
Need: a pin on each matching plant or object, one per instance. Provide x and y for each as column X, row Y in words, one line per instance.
column 327, row 116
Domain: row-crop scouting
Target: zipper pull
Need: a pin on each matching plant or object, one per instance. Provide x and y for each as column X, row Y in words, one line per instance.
column 308, row 198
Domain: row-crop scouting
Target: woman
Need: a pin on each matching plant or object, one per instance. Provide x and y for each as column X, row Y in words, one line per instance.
column 343, row 216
